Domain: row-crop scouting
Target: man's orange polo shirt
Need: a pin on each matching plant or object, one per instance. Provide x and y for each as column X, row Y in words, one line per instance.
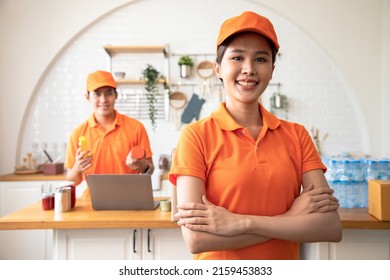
column 250, row 176
column 109, row 148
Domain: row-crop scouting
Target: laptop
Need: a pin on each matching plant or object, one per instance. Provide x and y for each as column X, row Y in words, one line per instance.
column 121, row 192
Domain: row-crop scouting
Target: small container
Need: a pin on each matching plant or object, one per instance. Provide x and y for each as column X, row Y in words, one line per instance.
column 62, row 199
column 119, row 75
column 83, row 143
column 165, row 205
column 72, row 196
column 47, row 201
column 53, row 168
column 163, row 163
column 137, row 152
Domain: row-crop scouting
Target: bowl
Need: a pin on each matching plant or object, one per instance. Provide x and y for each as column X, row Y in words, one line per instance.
column 119, row 75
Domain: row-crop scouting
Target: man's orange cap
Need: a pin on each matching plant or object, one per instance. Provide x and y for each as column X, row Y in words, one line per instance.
column 100, row 79
column 247, row 21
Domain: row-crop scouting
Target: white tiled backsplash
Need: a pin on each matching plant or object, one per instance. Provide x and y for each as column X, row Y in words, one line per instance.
column 317, row 94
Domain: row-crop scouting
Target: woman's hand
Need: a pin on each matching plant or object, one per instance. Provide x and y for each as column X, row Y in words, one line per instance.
column 314, row 200
column 210, row 218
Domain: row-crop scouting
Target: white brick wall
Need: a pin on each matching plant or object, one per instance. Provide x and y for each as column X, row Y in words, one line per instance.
column 317, row 93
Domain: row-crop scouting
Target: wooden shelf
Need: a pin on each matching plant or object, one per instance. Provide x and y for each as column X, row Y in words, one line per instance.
column 163, row 103
column 135, row 82
column 111, row 50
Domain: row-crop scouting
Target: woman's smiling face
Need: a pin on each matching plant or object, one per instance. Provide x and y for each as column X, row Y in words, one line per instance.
column 246, row 68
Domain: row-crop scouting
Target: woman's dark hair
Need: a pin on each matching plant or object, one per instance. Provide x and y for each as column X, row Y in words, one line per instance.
column 223, row 46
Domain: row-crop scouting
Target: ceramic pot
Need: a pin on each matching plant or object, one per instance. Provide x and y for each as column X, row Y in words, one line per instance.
column 185, row 71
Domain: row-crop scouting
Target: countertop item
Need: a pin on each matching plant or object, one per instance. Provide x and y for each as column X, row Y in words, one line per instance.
column 84, row 217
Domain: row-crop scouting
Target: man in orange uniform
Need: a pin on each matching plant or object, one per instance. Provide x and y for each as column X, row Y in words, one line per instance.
column 239, row 172
column 110, row 136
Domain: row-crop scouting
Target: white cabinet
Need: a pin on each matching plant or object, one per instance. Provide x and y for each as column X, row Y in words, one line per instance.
column 97, row 244
column 164, row 244
column 357, row 244
column 16, row 195
column 120, row 244
column 24, row 244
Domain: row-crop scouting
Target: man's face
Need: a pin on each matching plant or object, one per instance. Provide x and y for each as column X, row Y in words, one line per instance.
column 102, row 100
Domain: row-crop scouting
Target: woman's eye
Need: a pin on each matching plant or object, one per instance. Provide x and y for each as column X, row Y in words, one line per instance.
column 261, row 59
column 237, row 58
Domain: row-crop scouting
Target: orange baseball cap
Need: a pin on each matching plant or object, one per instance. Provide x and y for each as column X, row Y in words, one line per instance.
column 247, row 21
column 100, row 79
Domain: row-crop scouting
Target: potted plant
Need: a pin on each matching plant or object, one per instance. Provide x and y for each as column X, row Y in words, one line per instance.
column 185, row 62
column 152, row 77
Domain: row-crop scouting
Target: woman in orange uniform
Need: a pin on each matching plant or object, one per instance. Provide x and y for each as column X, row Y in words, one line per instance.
column 109, row 136
column 250, row 185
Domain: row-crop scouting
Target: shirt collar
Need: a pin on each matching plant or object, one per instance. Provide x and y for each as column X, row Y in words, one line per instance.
column 117, row 122
column 226, row 122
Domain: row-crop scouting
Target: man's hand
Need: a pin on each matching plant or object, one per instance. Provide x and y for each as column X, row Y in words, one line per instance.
column 83, row 161
column 140, row 165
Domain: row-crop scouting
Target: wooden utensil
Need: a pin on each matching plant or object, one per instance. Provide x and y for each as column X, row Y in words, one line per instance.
column 177, row 101
column 205, row 69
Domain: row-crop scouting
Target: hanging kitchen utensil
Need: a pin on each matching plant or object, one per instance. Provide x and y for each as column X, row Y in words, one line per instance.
column 206, row 71
column 177, row 101
column 279, row 104
column 193, row 109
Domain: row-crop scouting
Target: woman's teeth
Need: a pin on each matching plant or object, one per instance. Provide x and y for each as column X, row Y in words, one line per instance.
column 246, row 84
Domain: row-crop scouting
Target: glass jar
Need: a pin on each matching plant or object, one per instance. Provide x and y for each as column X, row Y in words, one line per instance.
column 72, row 196
column 47, row 201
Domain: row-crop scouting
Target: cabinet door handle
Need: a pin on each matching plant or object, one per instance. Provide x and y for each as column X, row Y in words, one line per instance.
column 134, row 238
column 149, row 251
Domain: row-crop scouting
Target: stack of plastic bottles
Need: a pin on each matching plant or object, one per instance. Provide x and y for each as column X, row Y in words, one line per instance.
column 348, row 177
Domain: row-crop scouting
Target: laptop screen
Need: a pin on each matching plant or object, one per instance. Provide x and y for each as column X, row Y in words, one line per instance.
column 121, row 192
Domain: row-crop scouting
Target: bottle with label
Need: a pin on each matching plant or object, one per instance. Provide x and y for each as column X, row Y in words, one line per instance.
column 83, row 144
column 384, row 169
column 372, row 169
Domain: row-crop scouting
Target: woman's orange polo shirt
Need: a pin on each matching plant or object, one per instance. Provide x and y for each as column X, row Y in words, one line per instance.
column 250, row 176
